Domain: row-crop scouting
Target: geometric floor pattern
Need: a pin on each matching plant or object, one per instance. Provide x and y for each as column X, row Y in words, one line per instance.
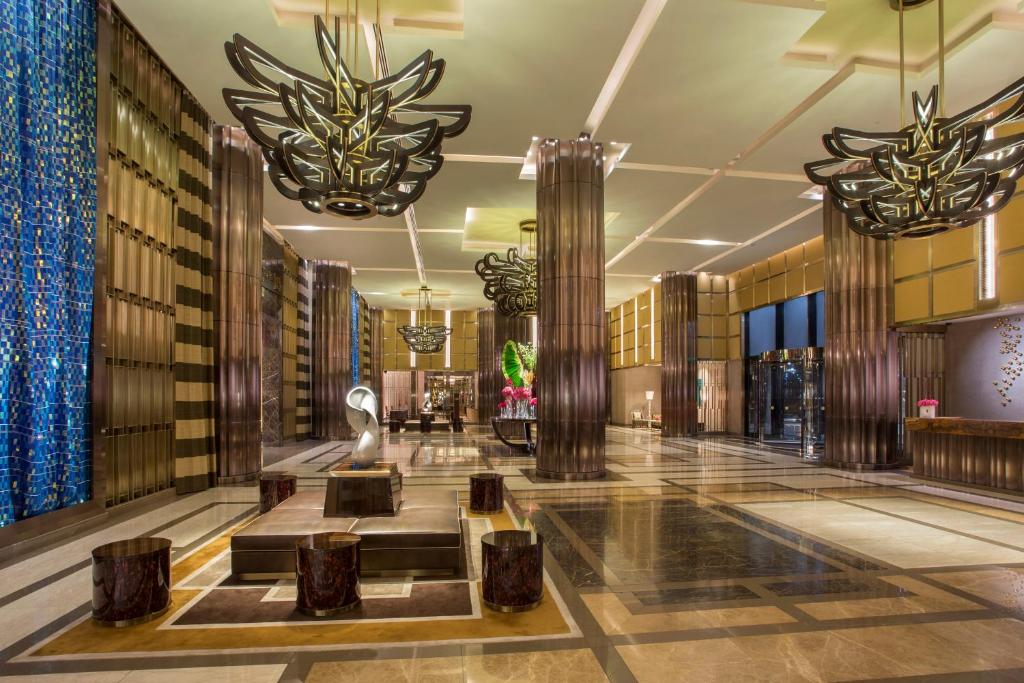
column 697, row 560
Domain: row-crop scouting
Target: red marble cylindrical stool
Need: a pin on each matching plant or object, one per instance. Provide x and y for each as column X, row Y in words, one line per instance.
column 486, row 494
column 275, row 487
column 327, row 573
column 131, row 581
column 513, row 570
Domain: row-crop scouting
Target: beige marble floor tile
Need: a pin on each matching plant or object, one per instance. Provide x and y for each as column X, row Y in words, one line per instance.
column 559, row 666
column 1002, row 585
column 615, row 618
column 927, row 599
column 946, row 647
column 425, row 670
column 713, row 661
column 900, row 542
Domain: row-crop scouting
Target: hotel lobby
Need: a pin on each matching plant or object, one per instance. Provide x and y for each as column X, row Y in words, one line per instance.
column 478, row 340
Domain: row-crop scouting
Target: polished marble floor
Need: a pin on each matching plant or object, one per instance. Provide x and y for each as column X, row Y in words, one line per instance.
column 697, row 559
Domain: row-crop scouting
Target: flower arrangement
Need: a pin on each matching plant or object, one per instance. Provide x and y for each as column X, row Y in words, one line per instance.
column 533, row 402
column 521, row 393
column 926, row 407
column 508, row 391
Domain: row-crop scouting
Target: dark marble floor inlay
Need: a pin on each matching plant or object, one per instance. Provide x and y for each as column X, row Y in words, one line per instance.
column 866, row 588
column 664, row 540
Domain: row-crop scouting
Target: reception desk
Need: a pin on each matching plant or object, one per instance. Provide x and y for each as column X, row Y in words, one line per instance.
column 980, row 452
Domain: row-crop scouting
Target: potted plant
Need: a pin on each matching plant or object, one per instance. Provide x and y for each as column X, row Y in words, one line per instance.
column 926, row 407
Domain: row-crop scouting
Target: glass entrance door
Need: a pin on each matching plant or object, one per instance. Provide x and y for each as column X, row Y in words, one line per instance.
column 790, row 392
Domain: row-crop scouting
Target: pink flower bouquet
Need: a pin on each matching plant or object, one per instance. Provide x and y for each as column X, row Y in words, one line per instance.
column 533, row 402
column 507, row 391
column 927, row 402
column 521, row 393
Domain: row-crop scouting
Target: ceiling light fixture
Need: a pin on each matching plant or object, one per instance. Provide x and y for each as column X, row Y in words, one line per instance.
column 422, row 336
column 511, row 283
column 336, row 143
column 936, row 173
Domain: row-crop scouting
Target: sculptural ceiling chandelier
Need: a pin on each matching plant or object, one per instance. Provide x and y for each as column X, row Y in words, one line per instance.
column 340, row 144
column 511, row 283
column 932, row 175
column 422, row 335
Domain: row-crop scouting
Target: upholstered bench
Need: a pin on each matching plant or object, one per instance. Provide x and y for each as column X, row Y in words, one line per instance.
column 423, row 537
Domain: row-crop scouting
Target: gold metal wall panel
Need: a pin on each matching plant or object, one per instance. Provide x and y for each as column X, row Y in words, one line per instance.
column 911, row 299
column 955, row 246
column 861, row 358
column 954, row 290
column 1010, row 270
column 572, row 358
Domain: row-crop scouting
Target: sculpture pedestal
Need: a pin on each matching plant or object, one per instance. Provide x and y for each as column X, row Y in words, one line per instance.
column 372, row 492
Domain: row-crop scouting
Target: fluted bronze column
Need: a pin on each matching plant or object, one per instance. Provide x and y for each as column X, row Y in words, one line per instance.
column 861, row 368
column 572, row 363
column 679, row 354
column 376, row 370
column 237, row 244
column 332, row 343
column 487, row 396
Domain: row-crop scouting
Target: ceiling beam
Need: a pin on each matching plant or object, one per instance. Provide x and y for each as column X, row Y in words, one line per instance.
column 642, row 28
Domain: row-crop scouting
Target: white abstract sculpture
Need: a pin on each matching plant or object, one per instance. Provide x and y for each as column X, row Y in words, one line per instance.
column 361, row 411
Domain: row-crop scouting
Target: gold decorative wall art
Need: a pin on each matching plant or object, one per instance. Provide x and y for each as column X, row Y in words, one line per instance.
column 1010, row 338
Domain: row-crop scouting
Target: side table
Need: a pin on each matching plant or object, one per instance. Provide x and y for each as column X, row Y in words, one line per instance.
column 486, row 493
column 327, row 573
column 275, row 488
column 513, row 570
column 131, row 581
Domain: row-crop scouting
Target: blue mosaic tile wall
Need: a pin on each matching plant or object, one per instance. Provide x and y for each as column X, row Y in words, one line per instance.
column 356, row 336
column 47, row 232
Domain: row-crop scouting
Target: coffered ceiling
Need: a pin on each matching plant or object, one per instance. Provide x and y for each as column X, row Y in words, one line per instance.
column 721, row 103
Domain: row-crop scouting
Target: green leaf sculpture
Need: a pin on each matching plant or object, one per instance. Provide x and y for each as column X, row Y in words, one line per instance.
column 512, row 365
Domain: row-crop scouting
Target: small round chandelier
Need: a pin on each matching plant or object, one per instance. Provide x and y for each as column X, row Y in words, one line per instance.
column 422, row 336
column 511, row 283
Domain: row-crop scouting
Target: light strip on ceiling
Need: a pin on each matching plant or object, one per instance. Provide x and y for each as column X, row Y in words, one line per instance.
column 703, row 243
column 448, row 341
column 620, row 69
column 756, row 238
column 672, row 213
column 414, row 240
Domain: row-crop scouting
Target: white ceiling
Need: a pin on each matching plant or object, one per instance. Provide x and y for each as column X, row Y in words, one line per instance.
column 722, row 101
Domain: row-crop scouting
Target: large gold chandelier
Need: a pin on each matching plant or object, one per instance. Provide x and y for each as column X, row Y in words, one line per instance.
column 935, row 174
column 339, row 144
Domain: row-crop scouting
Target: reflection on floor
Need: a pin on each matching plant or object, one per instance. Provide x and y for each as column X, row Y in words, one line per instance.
column 698, row 559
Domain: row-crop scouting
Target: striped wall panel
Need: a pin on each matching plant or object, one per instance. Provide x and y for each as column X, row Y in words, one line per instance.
column 303, row 412
column 193, row 334
column 289, row 342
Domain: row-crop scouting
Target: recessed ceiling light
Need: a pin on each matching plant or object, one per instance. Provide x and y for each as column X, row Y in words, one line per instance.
column 656, row 278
